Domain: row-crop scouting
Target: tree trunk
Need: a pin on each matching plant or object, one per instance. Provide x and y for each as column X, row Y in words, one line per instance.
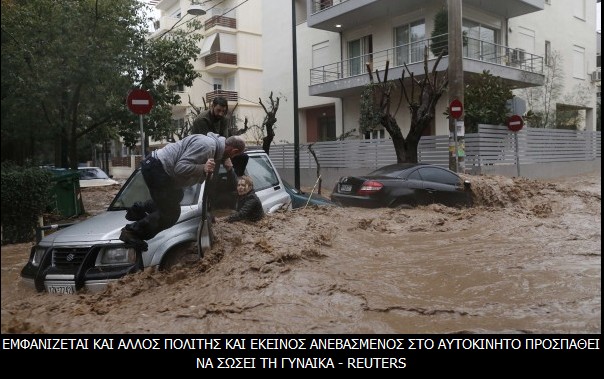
column 411, row 151
column 398, row 141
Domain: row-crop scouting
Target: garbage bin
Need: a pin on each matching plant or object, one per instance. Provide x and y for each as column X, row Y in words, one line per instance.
column 68, row 196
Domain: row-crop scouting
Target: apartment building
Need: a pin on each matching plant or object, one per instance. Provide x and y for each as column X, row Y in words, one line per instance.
column 335, row 39
column 564, row 31
column 245, row 58
column 230, row 62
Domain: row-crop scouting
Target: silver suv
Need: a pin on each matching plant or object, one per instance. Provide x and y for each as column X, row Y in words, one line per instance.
column 89, row 254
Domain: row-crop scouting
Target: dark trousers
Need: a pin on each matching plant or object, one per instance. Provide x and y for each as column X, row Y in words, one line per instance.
column 166, row 197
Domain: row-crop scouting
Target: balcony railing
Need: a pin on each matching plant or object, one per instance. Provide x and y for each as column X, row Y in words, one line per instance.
column 227, row 22
column 229, row 95
column 319, row 5
column 220, row 57
column 411, row 53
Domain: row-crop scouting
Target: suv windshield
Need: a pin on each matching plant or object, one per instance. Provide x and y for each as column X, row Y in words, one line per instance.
column 135, row 190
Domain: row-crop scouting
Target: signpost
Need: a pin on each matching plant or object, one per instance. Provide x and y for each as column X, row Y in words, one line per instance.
column 456, row 111
column 140, row 102
column 515, row 123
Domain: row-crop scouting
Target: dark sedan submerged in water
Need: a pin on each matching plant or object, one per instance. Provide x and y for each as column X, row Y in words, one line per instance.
column 403, row 185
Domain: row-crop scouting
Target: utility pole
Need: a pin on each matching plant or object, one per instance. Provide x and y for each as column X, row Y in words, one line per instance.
column 456, row 85
column 296, row 119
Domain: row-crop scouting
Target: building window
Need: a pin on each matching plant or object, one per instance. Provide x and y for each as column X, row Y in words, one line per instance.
column 409, row 42
column 320, row 54
column 579, row 9
column 217, row 84
column 548, row 52
column 480, row 41
column 359, row 54
column 578, row 62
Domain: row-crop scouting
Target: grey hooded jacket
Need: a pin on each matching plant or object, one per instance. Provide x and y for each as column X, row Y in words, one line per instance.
column 184, row 160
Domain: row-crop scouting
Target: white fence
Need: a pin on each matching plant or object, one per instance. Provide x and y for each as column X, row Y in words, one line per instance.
column 494, row 149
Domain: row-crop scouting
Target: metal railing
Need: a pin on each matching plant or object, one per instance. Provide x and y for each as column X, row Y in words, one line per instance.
column 492, row 145
column 413, row 52
column 229, row 95
column 320, row 5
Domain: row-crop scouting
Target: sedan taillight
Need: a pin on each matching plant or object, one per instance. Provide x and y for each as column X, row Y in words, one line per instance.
column 370, row 187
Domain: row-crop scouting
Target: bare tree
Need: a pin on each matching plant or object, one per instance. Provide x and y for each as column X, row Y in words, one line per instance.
column 314, row 155
column 269, row 122
column 541, row 101
column 421, row 96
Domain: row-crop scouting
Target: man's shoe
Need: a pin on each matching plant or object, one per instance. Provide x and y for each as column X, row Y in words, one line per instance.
column 129, row 237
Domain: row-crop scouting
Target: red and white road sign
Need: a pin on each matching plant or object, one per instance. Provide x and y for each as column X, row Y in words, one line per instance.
column 515, row 123
column 139, row 101
column 456, row 109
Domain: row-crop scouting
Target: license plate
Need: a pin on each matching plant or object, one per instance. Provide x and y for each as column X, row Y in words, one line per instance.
column 60, row 289
column 345, row 187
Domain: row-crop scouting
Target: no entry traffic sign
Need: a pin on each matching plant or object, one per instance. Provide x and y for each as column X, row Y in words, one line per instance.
column 139, row 101
column 456, row 109
column 515, row 123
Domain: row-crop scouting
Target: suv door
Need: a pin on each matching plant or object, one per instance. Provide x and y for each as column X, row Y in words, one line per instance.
column 267, row 182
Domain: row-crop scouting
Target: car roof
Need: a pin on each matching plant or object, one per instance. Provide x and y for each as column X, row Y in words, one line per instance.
column 255, row 151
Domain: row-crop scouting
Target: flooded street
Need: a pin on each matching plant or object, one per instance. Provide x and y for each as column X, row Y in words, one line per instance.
column 525, row 259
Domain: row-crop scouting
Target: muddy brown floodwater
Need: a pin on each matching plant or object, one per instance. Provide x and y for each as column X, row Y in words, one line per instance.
column 525, row 259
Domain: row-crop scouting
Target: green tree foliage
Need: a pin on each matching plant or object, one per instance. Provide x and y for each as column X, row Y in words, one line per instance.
column 370, row 112
column 26, row 194
column 439, row 37
column 485, row 102
column 67, row 67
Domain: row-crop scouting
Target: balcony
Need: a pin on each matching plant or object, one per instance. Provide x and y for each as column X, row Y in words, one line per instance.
column 221, row 21
column 220, row 62
column 518, row 68
column 349, row 14
column 163, row 24
column 232, row 96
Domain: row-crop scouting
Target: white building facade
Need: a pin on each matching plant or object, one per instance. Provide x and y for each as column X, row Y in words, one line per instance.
column 564, row 31
column 337, row 38
column 231, row 59
column 247, row 53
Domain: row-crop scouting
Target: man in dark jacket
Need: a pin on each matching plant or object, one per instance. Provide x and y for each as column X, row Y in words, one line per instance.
column 166, row 172
column 214, row 119
column 249, row 206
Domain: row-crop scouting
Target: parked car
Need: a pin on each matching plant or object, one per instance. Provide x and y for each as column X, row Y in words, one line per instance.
column 300, row 199
column 403, row 185
column 89, row 254
column 94, row 177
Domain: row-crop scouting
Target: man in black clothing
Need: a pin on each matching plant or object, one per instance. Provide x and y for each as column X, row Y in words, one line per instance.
column 214, row 119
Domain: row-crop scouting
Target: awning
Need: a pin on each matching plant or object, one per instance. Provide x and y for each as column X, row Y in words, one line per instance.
column 206, row 48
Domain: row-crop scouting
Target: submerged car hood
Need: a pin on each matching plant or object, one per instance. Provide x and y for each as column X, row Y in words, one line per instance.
column 103, row 227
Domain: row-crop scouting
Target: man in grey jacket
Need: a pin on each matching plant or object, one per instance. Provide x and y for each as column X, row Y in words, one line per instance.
column 170, row 169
